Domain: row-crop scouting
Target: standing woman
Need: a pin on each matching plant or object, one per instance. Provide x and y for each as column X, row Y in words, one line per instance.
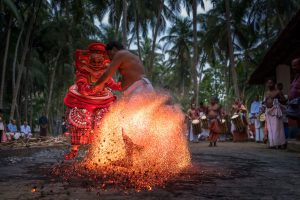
column 274, row 117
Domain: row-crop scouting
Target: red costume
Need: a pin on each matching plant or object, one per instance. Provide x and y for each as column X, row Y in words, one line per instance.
column 86, row 107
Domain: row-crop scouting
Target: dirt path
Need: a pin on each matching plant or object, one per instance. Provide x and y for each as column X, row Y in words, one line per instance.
column 229, row 171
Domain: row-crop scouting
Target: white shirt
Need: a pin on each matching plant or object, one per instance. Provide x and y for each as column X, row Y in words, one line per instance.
column 26, row 130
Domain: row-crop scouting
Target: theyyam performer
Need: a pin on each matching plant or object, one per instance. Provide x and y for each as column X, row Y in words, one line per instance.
column 86, row 106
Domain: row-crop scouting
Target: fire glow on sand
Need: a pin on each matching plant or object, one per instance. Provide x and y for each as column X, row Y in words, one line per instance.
column 140, row 142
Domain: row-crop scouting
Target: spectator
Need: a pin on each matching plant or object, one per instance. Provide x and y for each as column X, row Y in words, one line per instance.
column 293, row 108
column 26, row 130
column 281, row 97
column 12, row 130
column 43, row 122
column 64, row 125
column 2, row 130
column 283, row 100
column 255, row 119
column 274, row 121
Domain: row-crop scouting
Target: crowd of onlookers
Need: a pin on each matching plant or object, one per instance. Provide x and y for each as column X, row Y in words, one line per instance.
column 12, row 131
column 271, row 119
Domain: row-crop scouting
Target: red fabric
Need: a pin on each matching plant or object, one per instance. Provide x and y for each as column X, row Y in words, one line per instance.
column 4, row 138
column 77, row 138
column 73, row 100
column 240, row 136
column 90, row 65
column 215, row 130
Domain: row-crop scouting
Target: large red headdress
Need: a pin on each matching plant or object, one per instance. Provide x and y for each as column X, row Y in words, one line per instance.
column 93, row 60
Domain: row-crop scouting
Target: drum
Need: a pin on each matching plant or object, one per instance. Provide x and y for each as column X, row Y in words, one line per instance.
column 204, row 122
column 238, row 122
column 224, row 127
column 196, row 127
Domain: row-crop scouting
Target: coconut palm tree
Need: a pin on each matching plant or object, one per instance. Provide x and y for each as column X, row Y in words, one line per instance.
column 178, row 41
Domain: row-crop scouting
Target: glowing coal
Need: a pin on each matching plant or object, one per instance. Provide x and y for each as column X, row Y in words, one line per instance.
column 142, row 139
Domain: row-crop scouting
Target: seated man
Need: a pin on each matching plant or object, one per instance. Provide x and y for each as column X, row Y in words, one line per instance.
column 26, row 130
column 12, row 131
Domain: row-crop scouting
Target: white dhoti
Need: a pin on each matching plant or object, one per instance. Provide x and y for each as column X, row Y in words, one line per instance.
column 17, row 135
column 204, row 134
column 139, row 87
column 192, row 136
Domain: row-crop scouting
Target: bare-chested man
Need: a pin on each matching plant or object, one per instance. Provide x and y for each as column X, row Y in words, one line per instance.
column 192, row 114
column 274, row 121
column 130, row 67
column 239, row 129
column 133, row 82
column 214, row 113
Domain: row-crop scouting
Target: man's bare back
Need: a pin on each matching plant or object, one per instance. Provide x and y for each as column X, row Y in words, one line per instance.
column 130, row 67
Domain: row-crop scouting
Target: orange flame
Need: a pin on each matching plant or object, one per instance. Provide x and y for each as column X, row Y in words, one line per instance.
column 143, row 136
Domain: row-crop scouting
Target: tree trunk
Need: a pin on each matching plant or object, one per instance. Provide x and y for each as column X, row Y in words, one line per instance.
column 18, row 115
column 21, row 66
column 31, row 114
column 16, row 57
column 195, row 54
column 157, row 25
column 69, row 36
column 26, row 94
column 52, row 83
column 124, row 25
column 202, row 64
column 5, row 61
column 231, row 55
column 137, row 25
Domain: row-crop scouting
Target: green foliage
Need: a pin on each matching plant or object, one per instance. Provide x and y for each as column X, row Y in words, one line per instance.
column 64, row 26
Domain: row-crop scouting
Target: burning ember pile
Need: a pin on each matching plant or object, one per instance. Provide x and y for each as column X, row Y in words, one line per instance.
column 141, row 143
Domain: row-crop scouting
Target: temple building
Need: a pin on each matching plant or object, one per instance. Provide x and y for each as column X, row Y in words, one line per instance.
column 276, row 62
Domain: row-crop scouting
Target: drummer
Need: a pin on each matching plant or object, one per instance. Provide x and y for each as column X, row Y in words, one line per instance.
column 204, row 127
column 213, row 114
column 239, row 109
column 192, row 114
